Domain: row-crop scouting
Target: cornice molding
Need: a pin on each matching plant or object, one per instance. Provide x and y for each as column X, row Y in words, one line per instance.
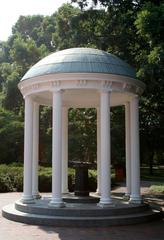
column 97, row 81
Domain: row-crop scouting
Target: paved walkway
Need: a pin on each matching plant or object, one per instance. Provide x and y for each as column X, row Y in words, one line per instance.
column 17, row 231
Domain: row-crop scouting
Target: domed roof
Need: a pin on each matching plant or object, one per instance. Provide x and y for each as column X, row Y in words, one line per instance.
column 80, row 60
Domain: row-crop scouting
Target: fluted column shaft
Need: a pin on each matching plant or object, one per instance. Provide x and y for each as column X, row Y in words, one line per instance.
column 35, row 191
column 128, row 150
column 98, row 154
column 105, row 149
column 135, row 160
column 28, row 151
column 64, row 150
column 57, row 150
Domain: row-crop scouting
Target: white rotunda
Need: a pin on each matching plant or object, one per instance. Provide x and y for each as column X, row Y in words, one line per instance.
column 87, row 78
column 80, row 78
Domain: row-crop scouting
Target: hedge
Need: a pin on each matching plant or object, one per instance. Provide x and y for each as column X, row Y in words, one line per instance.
column 11, row 178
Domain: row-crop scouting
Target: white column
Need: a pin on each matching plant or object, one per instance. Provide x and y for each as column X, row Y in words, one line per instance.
column 98, row 191
column 64, row 150
column 105, row 199
column 28, row 146
column 135, row 160
column 57, row 150
column 35, row 191
column 128, row 154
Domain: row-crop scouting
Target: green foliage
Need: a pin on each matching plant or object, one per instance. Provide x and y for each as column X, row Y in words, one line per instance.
column 27, row 25
column 157, row 189
column 11, row 178
column 158, row 173
column 82, row 134
column 150, row 58
column 130, row 29
column 62, row 37
column 149, row 22
column 11, row 137
column 117, row 135
column 45, row 141
column 10, row 74
column 88, row 29
column 37, row 28
column 45, row 179
column 25, row 52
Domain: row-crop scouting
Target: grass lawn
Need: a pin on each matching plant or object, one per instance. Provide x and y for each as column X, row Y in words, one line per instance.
column 158, row 176
column 158, row 173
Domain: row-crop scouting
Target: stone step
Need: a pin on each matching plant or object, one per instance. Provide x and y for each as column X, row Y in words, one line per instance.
column 11, row 213
column 77, row 199
column 80, row 210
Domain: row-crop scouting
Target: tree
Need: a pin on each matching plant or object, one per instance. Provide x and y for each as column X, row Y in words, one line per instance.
column 11, row 137
column 149, row 24
column 11, row 98
column 62, row 37
column 82, row 134
column 130, row 29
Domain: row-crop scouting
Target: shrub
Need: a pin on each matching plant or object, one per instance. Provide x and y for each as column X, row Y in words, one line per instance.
column 11, row 137
column 11, row 178
column 5, row 183
column 18, row 182
column 45, row 182
column 157, row 188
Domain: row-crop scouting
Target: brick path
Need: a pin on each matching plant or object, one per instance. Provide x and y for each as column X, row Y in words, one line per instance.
column 17, row 231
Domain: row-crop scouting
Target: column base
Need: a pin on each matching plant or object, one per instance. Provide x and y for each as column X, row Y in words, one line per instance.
column 126, row 197
column 27, row 199
column 135, row 199
column 66, row 191
column 98, row 192
column 36, row 196
column 105, row 203
column 56, row 203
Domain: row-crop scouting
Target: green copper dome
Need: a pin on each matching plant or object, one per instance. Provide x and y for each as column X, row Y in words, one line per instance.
column 80, row 60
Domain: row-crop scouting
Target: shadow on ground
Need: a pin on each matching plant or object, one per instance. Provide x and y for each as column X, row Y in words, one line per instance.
column 147, row 231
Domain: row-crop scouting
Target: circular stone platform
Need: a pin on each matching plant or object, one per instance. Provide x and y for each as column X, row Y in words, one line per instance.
column 79, row 213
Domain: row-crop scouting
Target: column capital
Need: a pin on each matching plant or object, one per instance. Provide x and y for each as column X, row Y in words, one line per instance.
column 105, row 91
column 66, row 108
column 36, row 103
column 133, row 97
column 29, row 96
column 57, row 90
column 126, row 103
